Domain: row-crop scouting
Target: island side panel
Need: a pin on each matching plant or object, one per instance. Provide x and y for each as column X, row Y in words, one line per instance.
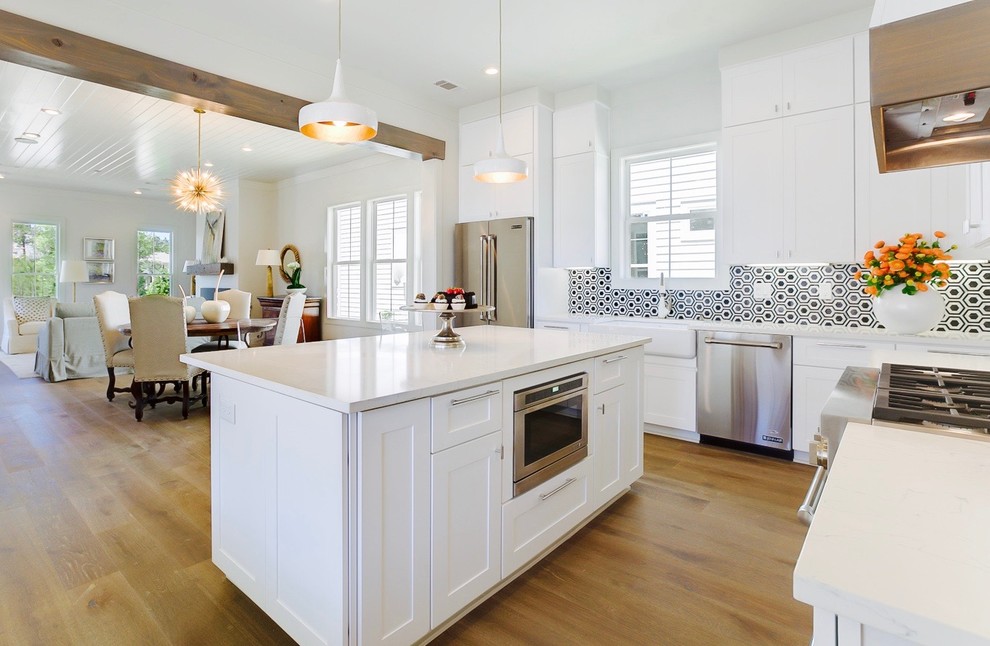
column 279, row 498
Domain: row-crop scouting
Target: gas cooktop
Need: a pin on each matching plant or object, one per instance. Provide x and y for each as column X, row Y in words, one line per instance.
column 938, row 397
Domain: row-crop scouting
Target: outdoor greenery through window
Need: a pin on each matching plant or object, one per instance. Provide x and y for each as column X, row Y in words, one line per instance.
column 370, row 260
column 154, row 262
column 670, row 222
column 34, row 260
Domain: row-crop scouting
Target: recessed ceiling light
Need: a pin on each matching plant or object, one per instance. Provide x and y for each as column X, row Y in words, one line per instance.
column 247, row 149
column 31, row 135
column 208, row 164
column 958, row 116
column 27, row 138
column 1, row 176
column 51, row 111
column 491, row 70
column 137, row 191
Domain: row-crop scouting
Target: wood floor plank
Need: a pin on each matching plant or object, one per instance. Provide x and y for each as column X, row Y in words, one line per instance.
column 109, row 611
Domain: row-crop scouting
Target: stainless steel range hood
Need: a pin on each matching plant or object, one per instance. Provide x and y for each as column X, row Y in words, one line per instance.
column 930, row 88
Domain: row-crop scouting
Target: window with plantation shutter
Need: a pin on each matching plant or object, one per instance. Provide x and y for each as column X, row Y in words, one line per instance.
column 347, row 262
column 670, row 221
column 370, row 253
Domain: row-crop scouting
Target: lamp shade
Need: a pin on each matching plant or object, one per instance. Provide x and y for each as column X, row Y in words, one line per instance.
column 73, row 271
column 337, row 119
column 268, row 257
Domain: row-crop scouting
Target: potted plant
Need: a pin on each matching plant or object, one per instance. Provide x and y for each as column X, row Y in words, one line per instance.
column 901, row 277
column 295, row 287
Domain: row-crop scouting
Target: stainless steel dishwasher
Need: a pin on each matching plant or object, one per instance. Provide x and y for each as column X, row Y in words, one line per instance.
column 744, row 391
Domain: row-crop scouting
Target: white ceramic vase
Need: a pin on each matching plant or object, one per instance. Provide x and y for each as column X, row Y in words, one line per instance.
column 215, row 311
column 908, row 313
column 190, row 313
column 295, row 290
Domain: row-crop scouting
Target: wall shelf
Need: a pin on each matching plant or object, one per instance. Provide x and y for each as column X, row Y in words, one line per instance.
column 211, row 269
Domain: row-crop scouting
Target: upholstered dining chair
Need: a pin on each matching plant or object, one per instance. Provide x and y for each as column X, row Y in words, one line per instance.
column 290, row 320
column 240, row 310
column 158, row 330
column 112, row 312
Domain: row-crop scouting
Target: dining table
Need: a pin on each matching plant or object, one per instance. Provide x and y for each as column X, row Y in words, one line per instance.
column 225, row 329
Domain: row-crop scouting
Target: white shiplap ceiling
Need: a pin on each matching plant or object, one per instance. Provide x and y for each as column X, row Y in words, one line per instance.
column 138, row 142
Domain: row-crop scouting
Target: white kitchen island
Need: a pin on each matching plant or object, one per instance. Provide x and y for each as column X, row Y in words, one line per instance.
column 359, row 490
column 898, row 551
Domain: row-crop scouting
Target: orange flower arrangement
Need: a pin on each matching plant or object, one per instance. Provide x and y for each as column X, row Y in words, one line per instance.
column 913, row 263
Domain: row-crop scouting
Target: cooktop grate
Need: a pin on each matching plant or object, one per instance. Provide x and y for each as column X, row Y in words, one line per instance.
column 933, row 396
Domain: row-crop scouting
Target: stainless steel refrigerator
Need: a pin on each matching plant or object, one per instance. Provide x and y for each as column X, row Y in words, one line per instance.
column 494, row 259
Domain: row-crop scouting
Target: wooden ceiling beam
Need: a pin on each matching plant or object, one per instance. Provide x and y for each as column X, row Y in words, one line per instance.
column 42, row 46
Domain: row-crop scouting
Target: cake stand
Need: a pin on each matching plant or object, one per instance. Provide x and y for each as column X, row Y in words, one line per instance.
column 446, row 337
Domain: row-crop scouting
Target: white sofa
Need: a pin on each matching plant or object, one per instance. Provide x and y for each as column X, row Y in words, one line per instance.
column 21, row 338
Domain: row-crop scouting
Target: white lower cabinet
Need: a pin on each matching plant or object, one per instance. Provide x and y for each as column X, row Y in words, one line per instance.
column 467, row 524
column 616, row 442
column 535, row 520
column 811, row 389
column 672, row 385
column 393, row 570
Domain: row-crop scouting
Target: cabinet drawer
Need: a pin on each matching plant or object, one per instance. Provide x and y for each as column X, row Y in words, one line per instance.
column 535, row 520
column 558, row 325
column 838, row 352
column 614, row 369
column 465, row 415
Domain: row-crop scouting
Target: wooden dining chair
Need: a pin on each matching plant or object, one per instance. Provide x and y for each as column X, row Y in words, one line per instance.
column 290, row 320
column 112, row 312
column 158, row 330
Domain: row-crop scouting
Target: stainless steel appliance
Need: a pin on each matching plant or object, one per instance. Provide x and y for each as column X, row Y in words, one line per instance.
column 916, row 398
column 550, row 430
column 744, row 391
column 494, row 259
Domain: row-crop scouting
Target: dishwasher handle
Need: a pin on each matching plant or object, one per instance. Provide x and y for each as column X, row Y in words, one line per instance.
column 774, row 345
column 806, row 512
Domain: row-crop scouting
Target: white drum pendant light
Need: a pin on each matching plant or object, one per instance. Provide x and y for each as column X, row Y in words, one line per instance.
column 338, row 120
column 500, row 168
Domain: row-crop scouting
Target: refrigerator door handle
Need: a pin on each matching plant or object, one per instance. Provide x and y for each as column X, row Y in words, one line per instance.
column 492, row 277
column 483, row 259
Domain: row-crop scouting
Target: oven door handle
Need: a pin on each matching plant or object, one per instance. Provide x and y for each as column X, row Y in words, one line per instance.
column 806, row 512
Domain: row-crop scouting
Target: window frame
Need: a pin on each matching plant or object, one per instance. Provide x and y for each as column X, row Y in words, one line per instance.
column 58, row 254
column 137, row 259
column 620, row 251
column 368, row 255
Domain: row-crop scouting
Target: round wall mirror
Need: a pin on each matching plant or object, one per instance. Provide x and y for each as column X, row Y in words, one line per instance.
column 288, row 254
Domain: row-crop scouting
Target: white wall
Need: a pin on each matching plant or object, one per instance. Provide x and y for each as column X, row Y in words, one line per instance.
column 302, row 218
column 80, row 215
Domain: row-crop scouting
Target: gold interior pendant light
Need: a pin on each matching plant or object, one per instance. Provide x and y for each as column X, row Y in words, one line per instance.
column 500, row 168
column 194, row 190
column 337, row 119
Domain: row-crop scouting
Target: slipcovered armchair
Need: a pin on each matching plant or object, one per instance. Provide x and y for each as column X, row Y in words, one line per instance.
column 69, row 344
column 23, row 318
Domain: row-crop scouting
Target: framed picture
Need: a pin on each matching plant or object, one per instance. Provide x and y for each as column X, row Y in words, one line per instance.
column 98, row 249
column 212, row 237
column 99, row 272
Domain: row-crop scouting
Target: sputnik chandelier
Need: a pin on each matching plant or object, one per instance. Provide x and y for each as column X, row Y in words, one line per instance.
column 197, row 191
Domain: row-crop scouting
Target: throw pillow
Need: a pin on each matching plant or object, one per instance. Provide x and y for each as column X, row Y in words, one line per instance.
column 74, row 310
column 32, row 308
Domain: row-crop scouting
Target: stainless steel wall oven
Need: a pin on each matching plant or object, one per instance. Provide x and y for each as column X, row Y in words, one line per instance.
column 550, row 430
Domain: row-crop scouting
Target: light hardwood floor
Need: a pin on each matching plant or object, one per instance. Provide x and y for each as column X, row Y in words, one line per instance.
column 105, row 539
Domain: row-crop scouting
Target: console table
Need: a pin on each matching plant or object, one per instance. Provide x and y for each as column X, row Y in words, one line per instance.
column 311, row 323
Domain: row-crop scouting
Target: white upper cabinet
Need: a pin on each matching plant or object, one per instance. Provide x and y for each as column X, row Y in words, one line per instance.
column 813, row 78
column 580, row 128
column 478, row 138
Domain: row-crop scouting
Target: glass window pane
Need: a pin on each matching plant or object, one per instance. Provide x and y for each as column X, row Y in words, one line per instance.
column 34, row 259
column 154, row 262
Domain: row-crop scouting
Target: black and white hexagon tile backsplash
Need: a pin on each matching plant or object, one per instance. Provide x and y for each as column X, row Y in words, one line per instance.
column 794, row 297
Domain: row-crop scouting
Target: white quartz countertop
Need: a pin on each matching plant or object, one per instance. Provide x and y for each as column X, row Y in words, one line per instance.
column 901, row 538
column 350, row 375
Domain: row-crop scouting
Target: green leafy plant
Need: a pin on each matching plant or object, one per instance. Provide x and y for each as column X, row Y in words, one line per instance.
column 295, row 270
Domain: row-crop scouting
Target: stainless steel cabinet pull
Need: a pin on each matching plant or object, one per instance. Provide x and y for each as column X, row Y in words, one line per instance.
column 501, row 452
column 555, row 327
column 788, row 105
column 614, row 359
column 825, row 344
column 567, row 483
column 487, row 393
column 749, row 344
column 776, row 107
column 602, row 408
column 968, row 354
column 806, row 512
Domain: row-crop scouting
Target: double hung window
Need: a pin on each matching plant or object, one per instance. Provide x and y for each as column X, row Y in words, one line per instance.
column 369, row 259
column 154, row 262
column 34, row 259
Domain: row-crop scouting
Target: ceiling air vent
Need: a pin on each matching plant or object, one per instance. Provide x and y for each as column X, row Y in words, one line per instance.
column 447, row 85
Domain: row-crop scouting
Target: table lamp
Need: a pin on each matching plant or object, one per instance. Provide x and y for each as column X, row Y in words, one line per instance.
column 74, row 271
column 271, row 258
